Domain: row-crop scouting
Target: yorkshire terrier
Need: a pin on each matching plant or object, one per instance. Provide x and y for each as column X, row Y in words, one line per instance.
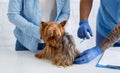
column 60, row 47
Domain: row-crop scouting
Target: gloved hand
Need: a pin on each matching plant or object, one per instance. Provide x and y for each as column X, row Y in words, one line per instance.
column 83, row 29
column 88, row 55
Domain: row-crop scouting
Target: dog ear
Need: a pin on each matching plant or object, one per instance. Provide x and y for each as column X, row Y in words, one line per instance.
column 63, row 23
column 43, row 24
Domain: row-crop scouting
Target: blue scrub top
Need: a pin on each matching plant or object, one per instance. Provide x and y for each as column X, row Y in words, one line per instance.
column 108, row 16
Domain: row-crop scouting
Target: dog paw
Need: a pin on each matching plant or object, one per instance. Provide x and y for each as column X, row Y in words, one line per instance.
column 38, row 56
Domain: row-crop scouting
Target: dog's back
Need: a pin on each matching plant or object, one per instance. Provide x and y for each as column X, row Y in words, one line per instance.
column 69, row 45
column 67, row 50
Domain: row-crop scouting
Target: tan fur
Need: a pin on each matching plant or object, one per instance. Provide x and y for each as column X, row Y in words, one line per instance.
column 60, row 47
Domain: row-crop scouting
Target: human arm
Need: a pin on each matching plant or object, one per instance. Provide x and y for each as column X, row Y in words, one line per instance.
column 90, row 54
column 113, row 37
column 85, row 9
column 14, row 16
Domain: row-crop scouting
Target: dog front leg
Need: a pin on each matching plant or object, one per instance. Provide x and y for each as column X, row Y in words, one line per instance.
column 42, row 54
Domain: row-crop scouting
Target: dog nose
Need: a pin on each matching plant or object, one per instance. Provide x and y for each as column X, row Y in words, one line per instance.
column 53, row 37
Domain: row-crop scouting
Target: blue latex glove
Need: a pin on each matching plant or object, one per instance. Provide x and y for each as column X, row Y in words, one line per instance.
column 83, row 29
column 88, row 55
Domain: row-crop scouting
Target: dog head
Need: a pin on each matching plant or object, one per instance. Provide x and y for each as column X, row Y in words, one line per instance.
column 51, row 32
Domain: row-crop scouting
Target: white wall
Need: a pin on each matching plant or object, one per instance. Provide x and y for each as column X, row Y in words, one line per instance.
column 4, row 0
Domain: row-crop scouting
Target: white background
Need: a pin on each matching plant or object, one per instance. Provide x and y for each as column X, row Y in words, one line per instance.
column 4, row 0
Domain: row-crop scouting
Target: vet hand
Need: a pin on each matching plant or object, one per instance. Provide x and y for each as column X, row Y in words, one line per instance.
column 88, row 55
column 83, row 29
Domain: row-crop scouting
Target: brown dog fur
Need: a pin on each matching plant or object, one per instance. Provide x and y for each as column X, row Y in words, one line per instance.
column 60, row 47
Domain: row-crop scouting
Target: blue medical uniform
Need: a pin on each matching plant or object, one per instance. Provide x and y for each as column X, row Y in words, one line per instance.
column 108, row 17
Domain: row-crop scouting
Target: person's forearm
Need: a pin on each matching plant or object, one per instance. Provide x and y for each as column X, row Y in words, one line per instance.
column 85, row 8
column 15, row 17
column 111, row 38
